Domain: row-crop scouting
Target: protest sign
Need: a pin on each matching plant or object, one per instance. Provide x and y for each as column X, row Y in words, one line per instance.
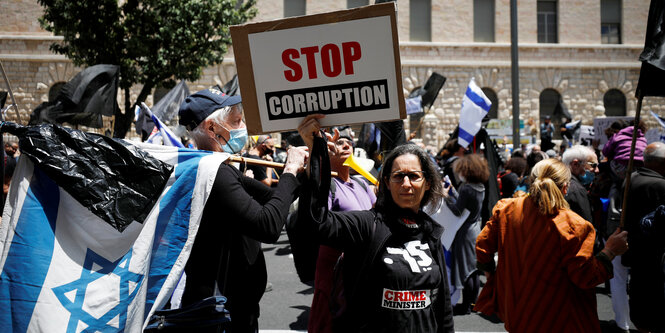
column 600, row 124
column 586, row 135
column 344, row 64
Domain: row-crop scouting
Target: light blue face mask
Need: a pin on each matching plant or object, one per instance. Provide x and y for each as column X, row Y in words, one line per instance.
column 587, row 177
column 237, row 140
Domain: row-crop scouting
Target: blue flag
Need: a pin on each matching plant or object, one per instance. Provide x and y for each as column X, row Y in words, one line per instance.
column 64, row 269
column 162, row 132
column 475, row 106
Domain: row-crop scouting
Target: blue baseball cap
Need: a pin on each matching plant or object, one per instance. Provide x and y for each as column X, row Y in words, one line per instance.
column 198, row 106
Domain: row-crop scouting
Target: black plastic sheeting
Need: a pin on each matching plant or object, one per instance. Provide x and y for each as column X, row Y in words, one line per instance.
column 116, row 181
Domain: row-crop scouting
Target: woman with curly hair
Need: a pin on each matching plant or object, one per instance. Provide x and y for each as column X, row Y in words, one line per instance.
column 473, row 172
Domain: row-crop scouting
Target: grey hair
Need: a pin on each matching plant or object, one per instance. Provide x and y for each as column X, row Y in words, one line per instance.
column 577, row 152
column 219, row 116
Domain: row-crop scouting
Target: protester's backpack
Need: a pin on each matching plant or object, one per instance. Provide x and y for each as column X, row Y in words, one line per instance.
column 304, row 247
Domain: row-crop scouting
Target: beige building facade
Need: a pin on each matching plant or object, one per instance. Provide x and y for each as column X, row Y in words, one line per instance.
column 583, row 51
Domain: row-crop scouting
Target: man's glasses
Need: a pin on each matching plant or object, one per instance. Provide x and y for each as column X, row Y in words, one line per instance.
column 342, row 142
column 592, row 164
column 414, row 176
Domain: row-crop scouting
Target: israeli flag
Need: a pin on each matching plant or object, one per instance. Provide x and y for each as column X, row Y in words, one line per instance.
column 65, row 269
column 475, row 106
column 661, row 121
column 414, row 105
column 161, row 134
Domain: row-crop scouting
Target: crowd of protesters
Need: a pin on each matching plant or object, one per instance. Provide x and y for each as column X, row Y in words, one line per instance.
column 541, row 251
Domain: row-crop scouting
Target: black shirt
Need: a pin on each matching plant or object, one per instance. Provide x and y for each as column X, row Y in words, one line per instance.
column 239, row 214
column 259, row 171
column 410, row 278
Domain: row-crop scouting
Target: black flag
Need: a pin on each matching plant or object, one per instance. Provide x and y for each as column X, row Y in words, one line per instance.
column 3, row 99
column 432, row 88
column 165, row 109
column 118, row 182
column 653, row 55
column 231, row 88
column 83, row 100
column 560, row 110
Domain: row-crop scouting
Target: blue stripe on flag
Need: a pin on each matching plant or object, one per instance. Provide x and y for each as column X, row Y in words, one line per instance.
column 468, row 137
column 476, row 99
column 172, row 223
column 30, row 253
column 660, row 120
column 166, row 133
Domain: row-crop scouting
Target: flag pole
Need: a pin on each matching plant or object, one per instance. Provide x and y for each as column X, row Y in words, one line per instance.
column 629, row 170
column 514, row 71
column 11, row 94
column 270, row 164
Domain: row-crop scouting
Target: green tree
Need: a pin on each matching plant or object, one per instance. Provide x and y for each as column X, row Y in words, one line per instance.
column 153, row 41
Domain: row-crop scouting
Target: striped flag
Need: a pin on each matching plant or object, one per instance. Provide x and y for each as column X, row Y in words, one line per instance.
column 475, row 106
column 161, row 131
column 64, row 267
column 659, row 119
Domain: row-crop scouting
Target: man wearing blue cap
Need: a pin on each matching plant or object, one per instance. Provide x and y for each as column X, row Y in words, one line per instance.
column 239, row 214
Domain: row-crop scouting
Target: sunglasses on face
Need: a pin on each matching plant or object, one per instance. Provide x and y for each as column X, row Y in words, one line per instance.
column 592, row 164
column 342, row 142
column 414, row 176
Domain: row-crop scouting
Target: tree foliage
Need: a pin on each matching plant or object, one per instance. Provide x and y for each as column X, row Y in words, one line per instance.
column 153, row 41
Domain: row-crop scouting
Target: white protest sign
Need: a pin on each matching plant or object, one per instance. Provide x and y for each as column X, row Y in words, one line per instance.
column 343, row 64
column 586, row 135
column 600, row 124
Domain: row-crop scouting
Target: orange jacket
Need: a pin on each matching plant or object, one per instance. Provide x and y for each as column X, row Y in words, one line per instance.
column 546, row 270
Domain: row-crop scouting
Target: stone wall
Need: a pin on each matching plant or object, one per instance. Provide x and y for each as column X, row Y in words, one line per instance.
column 579, row 68
column 19, row 17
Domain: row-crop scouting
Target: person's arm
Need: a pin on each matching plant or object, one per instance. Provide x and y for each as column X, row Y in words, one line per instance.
column 336, row 229
column 585, row 270
column 487, row 243
column 444, row 309
column 268, row 180
column 259, row 219
column 458, row 204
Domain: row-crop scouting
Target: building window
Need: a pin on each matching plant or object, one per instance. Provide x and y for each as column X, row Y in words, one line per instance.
column 356, row 3
column 493, row 112
column 547, row 21
column 483, row 21
column 610, row 21
column 615, row 103
column 549, row 98
column 55, row 90
column 294, row 8
column 420, row 20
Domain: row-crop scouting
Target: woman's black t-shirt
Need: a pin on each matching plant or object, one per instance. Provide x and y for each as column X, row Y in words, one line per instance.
column 409, row 276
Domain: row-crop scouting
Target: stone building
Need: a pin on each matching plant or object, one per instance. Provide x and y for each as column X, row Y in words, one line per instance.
column 584, row 52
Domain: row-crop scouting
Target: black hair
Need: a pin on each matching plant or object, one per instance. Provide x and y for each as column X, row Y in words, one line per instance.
column 432, row 197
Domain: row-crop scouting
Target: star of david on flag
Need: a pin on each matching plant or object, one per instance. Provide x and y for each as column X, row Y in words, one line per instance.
column 72, row 261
